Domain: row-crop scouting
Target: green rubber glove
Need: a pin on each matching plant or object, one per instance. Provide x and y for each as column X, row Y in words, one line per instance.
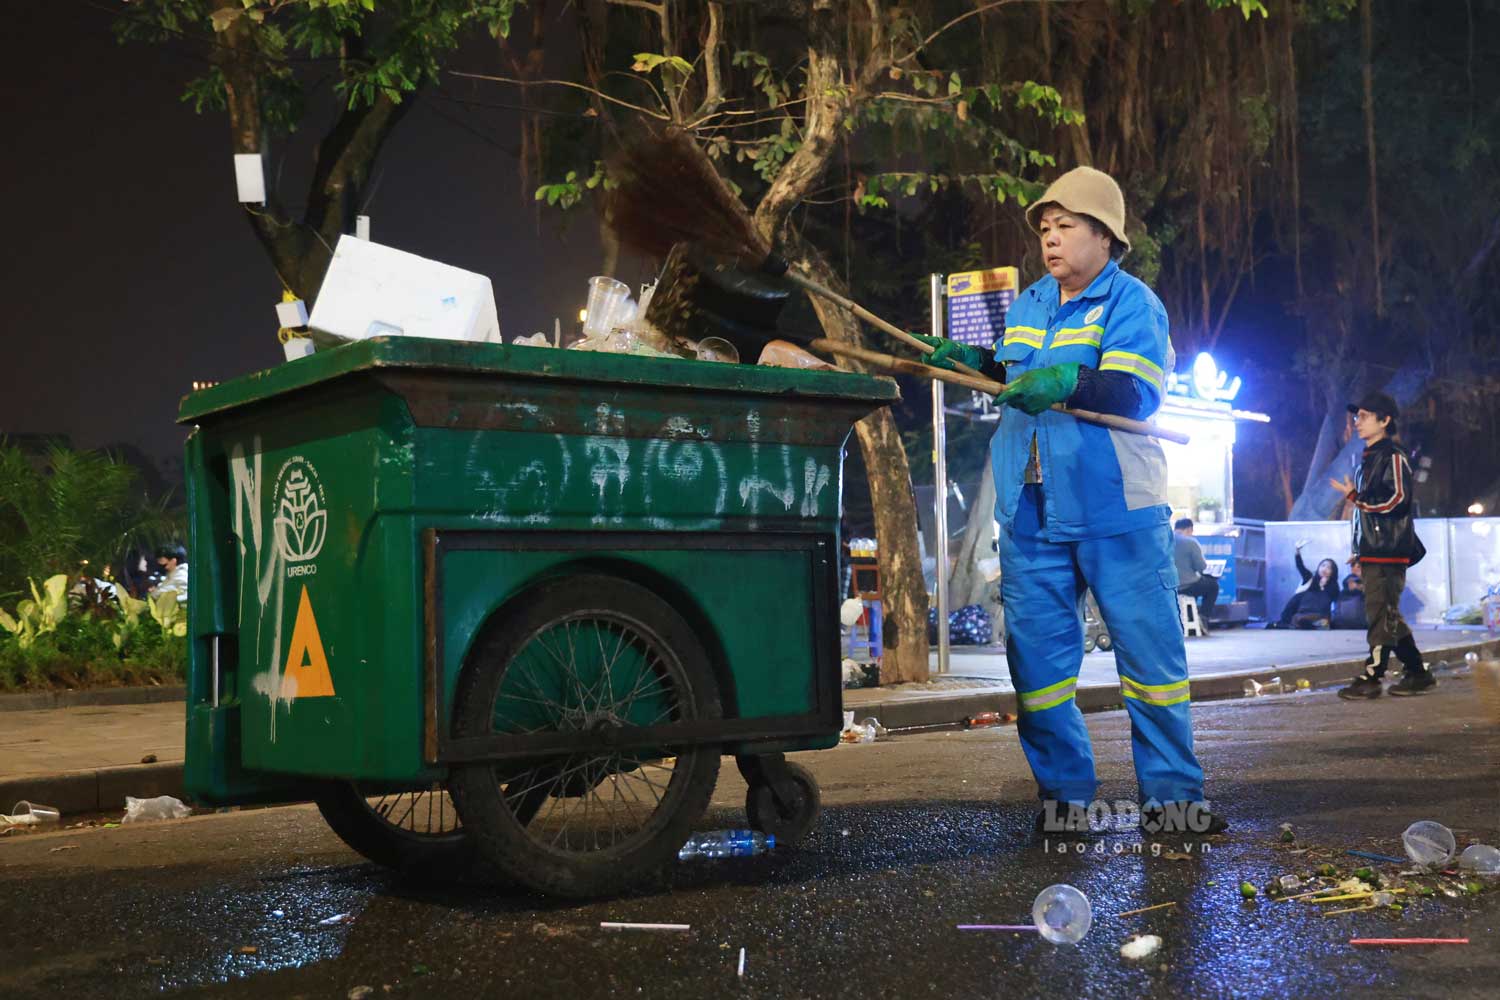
column 1036, row 390
column 946, row 351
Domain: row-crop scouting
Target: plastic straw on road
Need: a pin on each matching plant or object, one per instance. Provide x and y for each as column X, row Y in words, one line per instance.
column 1383, row 942
column 611, row 925
column 1146, row 909
column 997, row 927
column 1357, row 895
column 1378, row 857
column 742, row 963
column 1349, row 909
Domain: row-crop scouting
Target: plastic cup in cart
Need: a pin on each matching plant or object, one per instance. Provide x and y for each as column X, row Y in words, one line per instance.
column 717, row 349
column 606, row 306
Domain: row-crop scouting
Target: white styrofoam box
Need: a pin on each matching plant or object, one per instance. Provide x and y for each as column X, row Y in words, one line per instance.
column 372, row 290
column 250, row 178
column 298, row 347
column 293, row 313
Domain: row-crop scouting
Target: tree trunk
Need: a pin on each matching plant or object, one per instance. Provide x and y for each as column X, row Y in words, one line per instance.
column 1367, row 73
column 968, row 585
column 903, row 591
column 301, row 250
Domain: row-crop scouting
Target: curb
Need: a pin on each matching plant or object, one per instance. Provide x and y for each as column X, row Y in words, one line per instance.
column 42, row 700
column 930, row 710
column 101, row 790
column 104, row 789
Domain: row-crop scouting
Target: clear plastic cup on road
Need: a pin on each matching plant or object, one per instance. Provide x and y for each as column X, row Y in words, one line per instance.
column 1481, row 859
column 1429, row 844
column 38, row 812
column 1062, row 914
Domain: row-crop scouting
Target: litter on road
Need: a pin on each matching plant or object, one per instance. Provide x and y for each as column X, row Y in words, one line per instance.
column 1146, row 909
column 1140, row 947
column 610, row 925
column 741, row 973
column 1368, row 856
column 997, row 927
column 1394, row 942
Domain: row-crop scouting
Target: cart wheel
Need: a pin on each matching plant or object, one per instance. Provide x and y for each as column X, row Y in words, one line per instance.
column 1089, row 643
column 789, row 821
column 578, row 654
column 1105, row 642
column 414, row 832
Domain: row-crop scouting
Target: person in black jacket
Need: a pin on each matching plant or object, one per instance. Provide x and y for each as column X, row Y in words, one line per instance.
column 1385, row 544
column 1312, row 605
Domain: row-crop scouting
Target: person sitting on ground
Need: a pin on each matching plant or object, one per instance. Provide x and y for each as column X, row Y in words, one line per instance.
column 173, row 563
column 1192, row 577
column 1312, row 606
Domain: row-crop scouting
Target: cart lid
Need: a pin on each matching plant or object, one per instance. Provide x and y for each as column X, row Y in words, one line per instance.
column 513, row 361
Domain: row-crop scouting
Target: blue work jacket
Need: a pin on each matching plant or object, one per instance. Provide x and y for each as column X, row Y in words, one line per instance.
column 1097, row 482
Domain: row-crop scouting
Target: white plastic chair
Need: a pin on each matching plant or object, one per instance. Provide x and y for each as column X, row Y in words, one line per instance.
column 1187, row 610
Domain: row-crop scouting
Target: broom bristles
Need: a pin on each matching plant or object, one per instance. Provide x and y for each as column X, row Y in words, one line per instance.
column 666, row 191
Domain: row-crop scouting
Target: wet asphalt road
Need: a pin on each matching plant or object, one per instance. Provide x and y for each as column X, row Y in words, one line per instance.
column 917, row 835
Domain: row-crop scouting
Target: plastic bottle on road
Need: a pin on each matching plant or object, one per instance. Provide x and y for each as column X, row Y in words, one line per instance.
column 726, row 844
column 1429, row 844
column 1062, row 914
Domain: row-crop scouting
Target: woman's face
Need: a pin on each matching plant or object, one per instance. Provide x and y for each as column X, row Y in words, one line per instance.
column 1327, row 570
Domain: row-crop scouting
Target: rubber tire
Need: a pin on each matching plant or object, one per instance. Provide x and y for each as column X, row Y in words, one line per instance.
column 500, row 841
column 788, row 828
column 1089, row 643
column 1105, row 642
column 442, row 856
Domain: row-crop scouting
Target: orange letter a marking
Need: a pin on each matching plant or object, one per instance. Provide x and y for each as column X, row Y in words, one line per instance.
column 307, row 673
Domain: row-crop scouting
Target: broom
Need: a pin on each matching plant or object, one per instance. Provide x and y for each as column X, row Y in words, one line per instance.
column 666, row 193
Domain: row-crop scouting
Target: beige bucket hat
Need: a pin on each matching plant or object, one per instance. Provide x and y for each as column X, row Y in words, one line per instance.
column 1085, row 191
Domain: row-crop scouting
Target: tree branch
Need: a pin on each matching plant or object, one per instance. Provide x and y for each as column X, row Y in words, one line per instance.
column 960, row 18
column 601, row 95
column 713, row 94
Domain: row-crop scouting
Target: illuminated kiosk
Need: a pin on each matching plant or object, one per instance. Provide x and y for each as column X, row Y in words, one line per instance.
column 1200, row 475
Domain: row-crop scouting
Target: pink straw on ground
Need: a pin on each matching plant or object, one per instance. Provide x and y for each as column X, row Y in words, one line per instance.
column 997, row 927
column 1396, row 941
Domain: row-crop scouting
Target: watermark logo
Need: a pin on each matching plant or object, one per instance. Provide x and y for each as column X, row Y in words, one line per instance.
column 301, row 518
column 1153, row 819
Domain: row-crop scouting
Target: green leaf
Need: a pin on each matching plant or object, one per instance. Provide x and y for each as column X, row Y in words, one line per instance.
column 955, row 86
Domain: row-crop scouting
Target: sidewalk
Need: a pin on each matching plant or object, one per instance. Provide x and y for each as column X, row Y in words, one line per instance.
column 87, row 758
column 1218, row 664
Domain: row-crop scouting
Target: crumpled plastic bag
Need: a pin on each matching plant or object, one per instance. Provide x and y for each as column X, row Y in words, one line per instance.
column 161, row 807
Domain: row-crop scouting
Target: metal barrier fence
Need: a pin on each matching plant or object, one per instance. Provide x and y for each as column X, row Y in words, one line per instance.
column 1463, row 561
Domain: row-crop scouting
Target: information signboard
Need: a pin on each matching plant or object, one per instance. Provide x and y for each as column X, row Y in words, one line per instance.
column 978, row 302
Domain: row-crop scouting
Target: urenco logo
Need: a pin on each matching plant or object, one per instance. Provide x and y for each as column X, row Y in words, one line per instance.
column 301, row 515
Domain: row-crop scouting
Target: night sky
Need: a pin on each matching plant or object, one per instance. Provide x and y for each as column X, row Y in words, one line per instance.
column 129, row 271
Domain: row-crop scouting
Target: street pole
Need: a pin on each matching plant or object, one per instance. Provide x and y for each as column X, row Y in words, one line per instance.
column 940, row 482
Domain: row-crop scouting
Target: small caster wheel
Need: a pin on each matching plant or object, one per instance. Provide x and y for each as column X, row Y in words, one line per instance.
column 1089, row 642
column 1105, row 642
column 787, row 820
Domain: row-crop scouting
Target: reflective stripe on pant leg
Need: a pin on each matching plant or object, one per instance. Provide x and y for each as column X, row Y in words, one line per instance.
column 1044, row 651
column 1135, row 583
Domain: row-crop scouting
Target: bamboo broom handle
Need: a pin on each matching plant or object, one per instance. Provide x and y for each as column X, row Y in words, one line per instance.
column 891, row 363
column 895, row 331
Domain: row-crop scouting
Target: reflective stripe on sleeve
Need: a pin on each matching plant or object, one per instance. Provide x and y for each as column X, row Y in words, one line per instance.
column 1141, row 367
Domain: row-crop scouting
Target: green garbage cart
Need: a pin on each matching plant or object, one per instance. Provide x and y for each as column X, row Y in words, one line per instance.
column 511, row 605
